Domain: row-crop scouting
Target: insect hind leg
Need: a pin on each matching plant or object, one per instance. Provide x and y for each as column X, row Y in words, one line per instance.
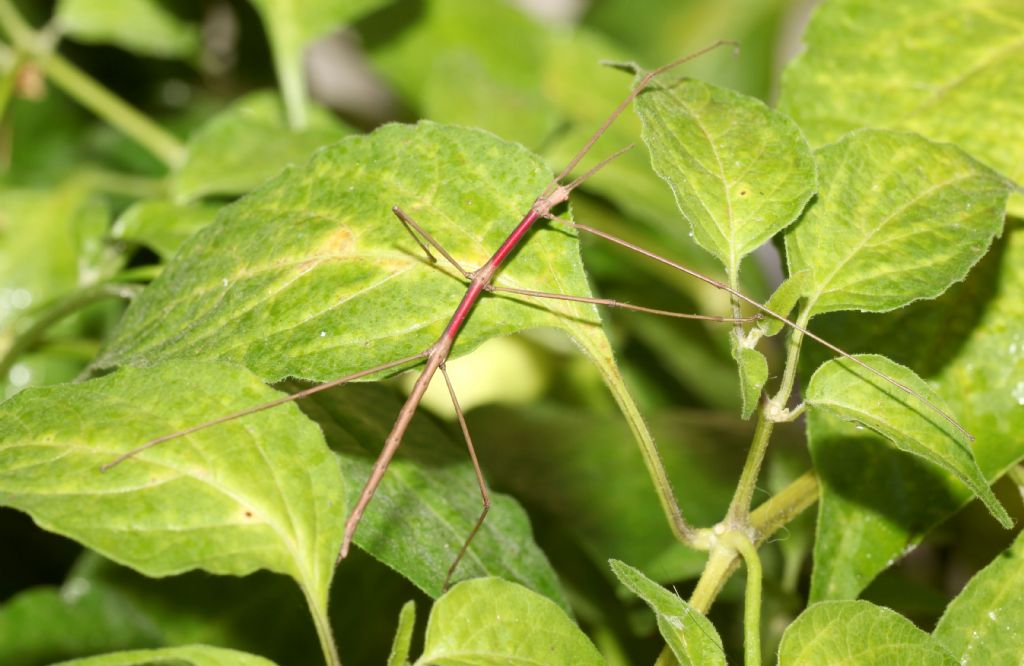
column 484, row 493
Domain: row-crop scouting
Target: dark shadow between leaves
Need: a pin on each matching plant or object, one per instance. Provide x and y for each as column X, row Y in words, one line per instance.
column 866, row 470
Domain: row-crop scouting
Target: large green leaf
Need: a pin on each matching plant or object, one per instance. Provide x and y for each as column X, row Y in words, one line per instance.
column 187, row 655
column 857, row 632
column 246, row 144
column 861, row 70
column 428, row 501
column 985, row 623
column 458, row 66
column 877, row 503
column 42, row 625
column 260, row 493
column 854, row 394
column 491, row 621
column 691, row 636
column 740, row 171
column 312, row 276
column 145, row 27
column 898, row 218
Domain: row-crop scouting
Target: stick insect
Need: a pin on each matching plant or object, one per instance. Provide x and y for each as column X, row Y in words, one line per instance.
column 481, row 282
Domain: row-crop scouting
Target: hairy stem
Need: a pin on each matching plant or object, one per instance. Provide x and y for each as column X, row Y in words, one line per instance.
column 739, row 507
column 720, row 565
column 781, row 508
column 90, row 93
column 605, row 363
column 752, row 598
column 765, row 520
column 322, row 622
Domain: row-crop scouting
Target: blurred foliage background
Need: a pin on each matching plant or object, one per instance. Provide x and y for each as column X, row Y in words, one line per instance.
column 547, row 429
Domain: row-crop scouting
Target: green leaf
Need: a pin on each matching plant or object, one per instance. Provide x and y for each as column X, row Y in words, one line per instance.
column 292, row 26
column 259, row 493
column 692, row 637
column 854, row 394
column 403, row 636
column 898, row 218
column 161, row 225
column 856, row 72
column 549, row 457
column 42, row 625
column 858, row 632
column 246, row 144
column 43, row 236
column 144, row 27
column 187, row 655
column 782, row 301
column 491, row 621
column 876, row 503
column 457, row 67
column 753, row 369
column 312, row 276
column 740, row 171
column 428, row 502
column 985, row 623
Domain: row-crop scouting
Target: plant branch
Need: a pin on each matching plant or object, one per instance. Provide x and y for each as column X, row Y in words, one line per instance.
column 322, row 622
column 752, row 599
column 765, row 520
column 90, row 93
column 739, row 507
column 720, row 565
column 767, row 415
column 57, row 311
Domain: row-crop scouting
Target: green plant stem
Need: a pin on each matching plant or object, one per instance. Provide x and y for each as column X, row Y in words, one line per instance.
column 739, row 507
column 765, row 520
column 57, row 311
column 793, row 345
column 780, row 509
column 720, row 565
column 682, row 530
column 98, row 99
column 90, row 93
column 288, row 65
column 322, row 622
column 752, row 598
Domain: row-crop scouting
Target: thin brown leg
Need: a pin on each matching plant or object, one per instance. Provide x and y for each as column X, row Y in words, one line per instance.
column 607, row 302
column 484, row 495
column 259, row 408
column 411, row 224
column 771, row 313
